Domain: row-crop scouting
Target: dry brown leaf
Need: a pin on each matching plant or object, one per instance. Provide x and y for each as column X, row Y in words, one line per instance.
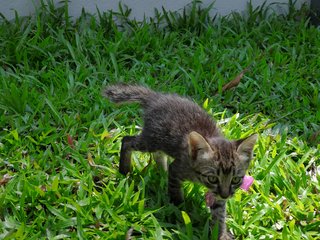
column 5, row 179
column 315, row 137
column 235, row 82
column 92, row 163
column 90, row 160
column 129, row 234
column 70, row 141
column 43, row 188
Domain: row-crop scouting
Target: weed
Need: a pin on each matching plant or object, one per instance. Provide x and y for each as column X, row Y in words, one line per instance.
column 59, row 140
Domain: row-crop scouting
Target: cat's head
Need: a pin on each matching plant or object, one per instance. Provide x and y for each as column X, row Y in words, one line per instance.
column 220, row 164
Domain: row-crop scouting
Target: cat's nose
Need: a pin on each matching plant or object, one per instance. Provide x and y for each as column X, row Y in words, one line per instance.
column 224, row 194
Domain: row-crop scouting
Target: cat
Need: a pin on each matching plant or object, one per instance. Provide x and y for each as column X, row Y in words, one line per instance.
column 181, row 129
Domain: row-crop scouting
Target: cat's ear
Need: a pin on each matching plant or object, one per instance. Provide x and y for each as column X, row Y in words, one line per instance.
column 198, row 145
column 245, row 147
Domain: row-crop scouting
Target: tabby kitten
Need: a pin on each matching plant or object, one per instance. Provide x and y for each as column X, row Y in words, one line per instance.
column 181, row 129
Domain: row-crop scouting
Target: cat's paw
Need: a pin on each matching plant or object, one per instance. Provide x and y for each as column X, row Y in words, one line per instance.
column 226, row 236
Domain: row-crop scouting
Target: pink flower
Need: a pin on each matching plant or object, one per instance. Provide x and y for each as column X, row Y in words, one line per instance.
column 246, row 183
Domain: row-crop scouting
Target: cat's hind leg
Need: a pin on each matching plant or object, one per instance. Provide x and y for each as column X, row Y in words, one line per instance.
column 161, row 160
column 174, row 184
column 129, row 144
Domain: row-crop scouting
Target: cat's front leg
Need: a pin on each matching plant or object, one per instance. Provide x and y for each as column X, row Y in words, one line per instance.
column 218, row 212
column 226, row 236
column 174, row 184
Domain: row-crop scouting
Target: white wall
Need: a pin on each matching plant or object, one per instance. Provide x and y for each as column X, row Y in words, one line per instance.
column 140, row 8
column 23, row 7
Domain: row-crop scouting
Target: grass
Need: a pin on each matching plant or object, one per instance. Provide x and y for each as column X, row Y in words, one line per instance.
column 59, row 140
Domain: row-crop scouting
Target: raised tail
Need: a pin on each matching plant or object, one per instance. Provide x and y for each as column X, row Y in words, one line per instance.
column 119, row 93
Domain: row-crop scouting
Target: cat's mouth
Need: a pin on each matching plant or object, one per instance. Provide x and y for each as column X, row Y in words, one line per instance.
column 211, row 198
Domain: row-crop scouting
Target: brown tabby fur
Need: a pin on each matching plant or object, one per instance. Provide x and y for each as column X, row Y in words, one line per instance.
column 181, row 129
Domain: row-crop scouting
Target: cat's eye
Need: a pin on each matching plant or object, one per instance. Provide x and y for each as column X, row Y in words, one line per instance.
column 213, row 179
column 236, row 180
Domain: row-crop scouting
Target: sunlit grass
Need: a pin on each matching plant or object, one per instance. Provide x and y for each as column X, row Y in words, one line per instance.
column 59, row 140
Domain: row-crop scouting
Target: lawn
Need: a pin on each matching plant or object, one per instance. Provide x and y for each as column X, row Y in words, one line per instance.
column 60, row 140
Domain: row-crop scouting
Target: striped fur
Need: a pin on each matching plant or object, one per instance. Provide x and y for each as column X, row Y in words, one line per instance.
column 181, row 129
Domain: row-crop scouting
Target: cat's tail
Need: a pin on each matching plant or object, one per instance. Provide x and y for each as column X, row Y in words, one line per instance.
column 120, row 93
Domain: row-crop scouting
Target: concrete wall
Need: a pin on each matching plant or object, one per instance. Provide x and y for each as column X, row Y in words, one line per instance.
column 140, row 8
column 23, row 7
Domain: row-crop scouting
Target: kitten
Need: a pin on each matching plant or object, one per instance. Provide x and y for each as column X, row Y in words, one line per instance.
column 181, row 129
